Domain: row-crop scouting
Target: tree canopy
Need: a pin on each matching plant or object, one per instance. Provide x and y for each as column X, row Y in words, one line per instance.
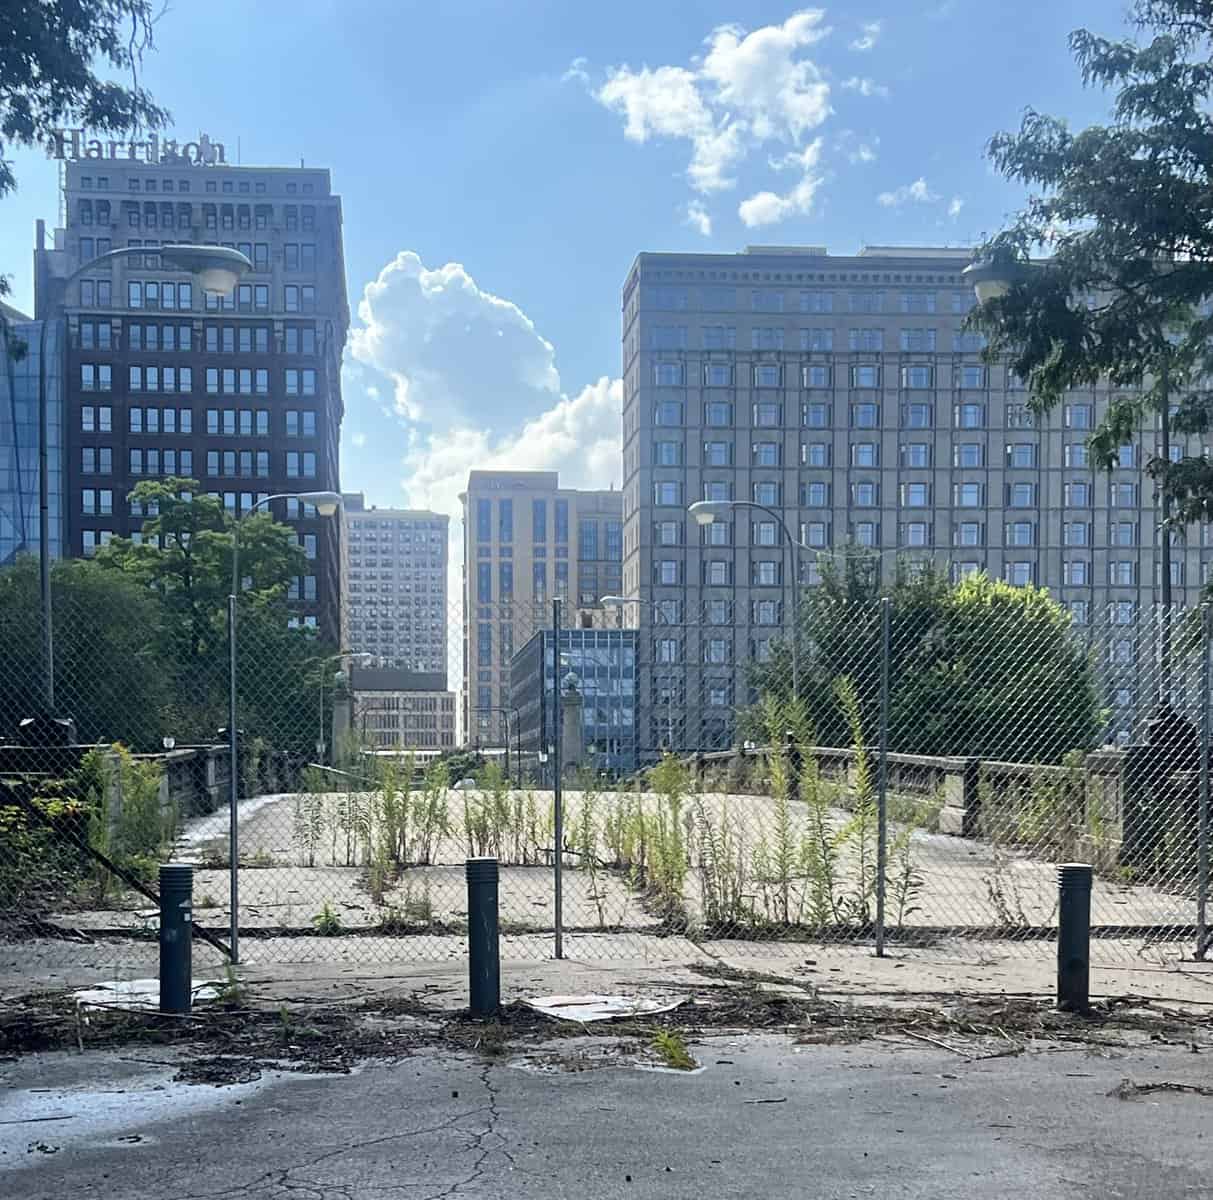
column 49, row 51
column 141, row 643
column 1122, row 215
column 977, row 668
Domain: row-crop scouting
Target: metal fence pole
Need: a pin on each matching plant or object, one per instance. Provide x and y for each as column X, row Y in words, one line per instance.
column 1202, row 844
column 882, row 779
column 233, row 829
column 557, row 789
column 1074, row 937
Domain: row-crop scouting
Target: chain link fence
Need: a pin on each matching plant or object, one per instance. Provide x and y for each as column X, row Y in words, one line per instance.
column 904, row 771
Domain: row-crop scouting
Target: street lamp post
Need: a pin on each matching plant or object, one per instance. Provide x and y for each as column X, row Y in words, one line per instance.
column 707, row 511
column 505, row 710
column 326, row 503
column 661, row 618
column 216, row 268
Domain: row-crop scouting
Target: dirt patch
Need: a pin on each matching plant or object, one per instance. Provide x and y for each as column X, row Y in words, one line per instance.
column 229, row 1044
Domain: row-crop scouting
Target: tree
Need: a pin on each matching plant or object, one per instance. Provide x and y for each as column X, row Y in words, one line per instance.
column 47, row 79
column 184, row 557
column 1124, row 214
column 978, row 668
column 108, row 676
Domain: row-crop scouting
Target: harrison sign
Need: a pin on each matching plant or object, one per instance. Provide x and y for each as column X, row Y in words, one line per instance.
column 74, row 145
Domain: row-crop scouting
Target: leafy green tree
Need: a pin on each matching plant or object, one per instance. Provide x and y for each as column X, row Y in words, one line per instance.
column 1124, row 214
column 185, row 559
column 48, row 53
column 108, row 674
column 978, row 668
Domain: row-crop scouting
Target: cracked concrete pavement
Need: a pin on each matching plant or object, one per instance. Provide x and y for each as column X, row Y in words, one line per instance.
column 763, row 1117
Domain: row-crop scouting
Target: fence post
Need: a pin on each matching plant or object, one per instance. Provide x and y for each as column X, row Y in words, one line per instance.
column 176, row 937
column 484, row 951
column 1074, row 937
column 557, row 786
column 882, row 779
column 792, row 754
column 1202, row 843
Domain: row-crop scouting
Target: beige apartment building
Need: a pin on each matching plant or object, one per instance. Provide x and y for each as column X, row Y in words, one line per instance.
column 842, row 393
column 402, row 710
column 395, row 585
column 526, row 541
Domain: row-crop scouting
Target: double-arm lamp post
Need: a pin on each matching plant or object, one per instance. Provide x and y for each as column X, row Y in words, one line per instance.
column 216, row 270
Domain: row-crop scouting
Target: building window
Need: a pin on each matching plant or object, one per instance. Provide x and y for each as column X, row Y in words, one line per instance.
column 920, row 341
column 718, row 375
column 1021, row 456
column 865, row 454
column 916, row 416
column 815, row 454
column 815, row 415
column 917, row 302
column 1124, row 495
column 817, row 375
column 972, row 377
column 1076, row 572
column 915, row 495
column 717, row 414
column 1122, row 533
column 667, row 412
column 667, row 492
column 866, row 533
column 814, row 533
column 915, row 533
column 817, row 339
column 865, row 416
column 1076, row 533
column 1122, row 572
column 767, row 493
column 767, row 414
column 1020, row 533
column 766, row 454
column 865, row 339
column 665, row 454
column 967, row 495
column 865, row 375
column 817, row 302
column 916, row 454
column 766, row 375
column 1078, row 416
column 968, row 533
column 917, row 377
column 667, row 572
column 815, row 495
column 719, row 337
column 865, row 494
column 1019, row 574
column 1021, row 495
column 718, row 454
column 970, row 416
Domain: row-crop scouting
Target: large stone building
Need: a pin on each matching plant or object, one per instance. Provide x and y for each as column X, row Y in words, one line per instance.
column 402, row 710
column 243, row 392
column 842, row 392
column 526, row 541
column 395, row 585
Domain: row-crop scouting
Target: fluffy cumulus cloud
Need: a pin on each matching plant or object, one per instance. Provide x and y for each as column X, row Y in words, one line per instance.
column 698, row 218
column 448, row 346
column 954, row 207
column 447, row 377
column 869, row 34
column 909, row 193
column 768, row 208
column 749, row 90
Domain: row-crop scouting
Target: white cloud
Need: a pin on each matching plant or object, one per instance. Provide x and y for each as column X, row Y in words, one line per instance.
column 864, row 86
column 954, row 207
column 698, row 219
column 869, row 33
column 358, row 440
column 576, row 73
column 749, row 89
column 768, row 208
column 916, row 192
column 450, row 348
column 759, row 75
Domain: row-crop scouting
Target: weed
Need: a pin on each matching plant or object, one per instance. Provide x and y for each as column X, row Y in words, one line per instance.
column 231, row 992
column 327, row 922
column 672, row 1049
column 207, row 901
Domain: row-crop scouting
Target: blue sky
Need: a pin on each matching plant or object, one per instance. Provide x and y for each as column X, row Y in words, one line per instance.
column 501, row 163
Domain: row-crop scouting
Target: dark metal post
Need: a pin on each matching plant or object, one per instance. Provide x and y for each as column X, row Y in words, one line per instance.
column 1164, row 665
column 1202, row 843
column 792, row 753
column 1074, row 937
column 176, row 937
column 882, row 779
column 44, row 527
column 557, row 788
column 484, row 950
column 233, row 818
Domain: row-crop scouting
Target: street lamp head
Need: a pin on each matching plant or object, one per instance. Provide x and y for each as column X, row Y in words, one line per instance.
column 216, row 268
column 707, row 511
column 616, row 601
column 325, row 503
column 994, row 276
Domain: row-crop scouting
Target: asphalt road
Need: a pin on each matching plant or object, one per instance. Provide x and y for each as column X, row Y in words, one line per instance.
column 764, row 1118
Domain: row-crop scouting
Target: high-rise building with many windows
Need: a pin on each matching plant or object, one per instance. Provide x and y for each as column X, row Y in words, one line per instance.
column 526, row 541
column 241, row 392
column 843, row 393
column 395, row 584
